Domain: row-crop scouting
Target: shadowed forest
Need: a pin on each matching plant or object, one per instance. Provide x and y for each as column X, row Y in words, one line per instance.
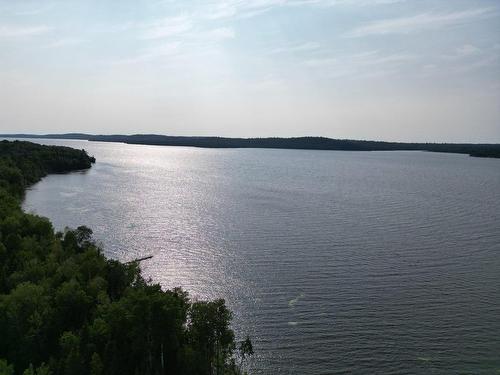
column 67, row 309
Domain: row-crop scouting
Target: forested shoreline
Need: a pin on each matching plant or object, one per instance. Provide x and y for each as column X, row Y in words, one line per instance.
column 67, row 309
column 484, row 150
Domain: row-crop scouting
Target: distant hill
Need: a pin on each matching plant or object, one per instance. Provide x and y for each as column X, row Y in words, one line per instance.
column 80, row 136
column 304, row 143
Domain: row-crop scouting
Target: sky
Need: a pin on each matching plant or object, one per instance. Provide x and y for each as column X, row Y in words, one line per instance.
column 396, row 70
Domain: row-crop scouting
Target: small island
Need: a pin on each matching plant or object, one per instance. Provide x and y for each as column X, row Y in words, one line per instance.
column 67, row 309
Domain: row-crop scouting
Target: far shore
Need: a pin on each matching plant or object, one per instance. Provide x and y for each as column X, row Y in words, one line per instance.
column 489, row 150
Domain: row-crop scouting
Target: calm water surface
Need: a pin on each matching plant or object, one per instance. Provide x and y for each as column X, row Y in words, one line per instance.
column 333, row 262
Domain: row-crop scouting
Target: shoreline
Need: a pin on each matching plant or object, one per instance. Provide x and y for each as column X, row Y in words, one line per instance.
column 66, row 308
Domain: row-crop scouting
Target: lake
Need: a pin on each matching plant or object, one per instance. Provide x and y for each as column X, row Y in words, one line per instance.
column 333, row 262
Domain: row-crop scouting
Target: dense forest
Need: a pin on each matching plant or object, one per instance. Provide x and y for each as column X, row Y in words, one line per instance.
column 302, row 143
column 66, row 309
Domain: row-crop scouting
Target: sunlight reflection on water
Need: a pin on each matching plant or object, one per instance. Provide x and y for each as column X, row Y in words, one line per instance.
column 331, row 261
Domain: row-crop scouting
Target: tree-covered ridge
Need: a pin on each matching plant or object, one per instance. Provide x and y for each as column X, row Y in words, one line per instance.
column 24, row 163
column 66, row 309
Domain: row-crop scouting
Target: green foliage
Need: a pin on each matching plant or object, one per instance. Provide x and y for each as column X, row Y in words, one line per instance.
column 42, row 370
column 66, row 309
column 245, row 350
column 5, row 368
column 96, row 366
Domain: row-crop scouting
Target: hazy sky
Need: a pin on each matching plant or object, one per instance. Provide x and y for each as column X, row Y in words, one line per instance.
column 422, row 70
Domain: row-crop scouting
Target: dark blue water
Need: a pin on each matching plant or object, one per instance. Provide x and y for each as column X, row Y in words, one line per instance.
column 333, row 262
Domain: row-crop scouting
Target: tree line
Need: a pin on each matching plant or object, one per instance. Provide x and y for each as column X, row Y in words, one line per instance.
column 302, row 143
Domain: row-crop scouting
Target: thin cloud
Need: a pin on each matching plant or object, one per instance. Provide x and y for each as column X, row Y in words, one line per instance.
column 35, row 10
column 186, row 44
column 389, row 59
column 362, row 59
column 326, row 61
column 356, row 3
column 463, row 52
column 215, row 35
column 420, row 22
column 11, row 31
column 224, row 9
column 221, row 11
column 487, row 62
column 65, row 42
column 365, row 65
column 20, row 8
column 165, row 50
column 308, row 46
column 168, row 27
column 467, row 50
